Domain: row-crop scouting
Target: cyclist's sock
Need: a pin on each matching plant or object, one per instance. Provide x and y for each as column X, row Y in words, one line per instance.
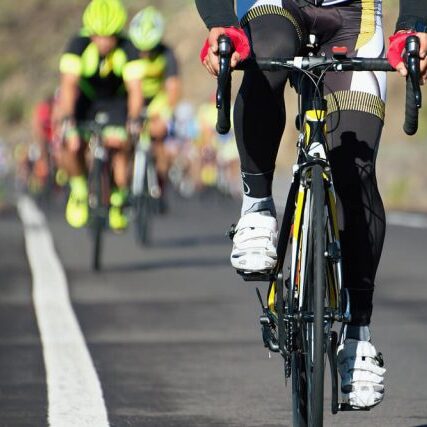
column 360, row 333
column 119, row 197
column 255, row 204
column 61, row 177
column 78, row 186
column 257, row 185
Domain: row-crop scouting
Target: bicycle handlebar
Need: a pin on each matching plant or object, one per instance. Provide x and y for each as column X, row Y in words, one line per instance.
column 413, row 91
column 336, row 63
column 223, row 95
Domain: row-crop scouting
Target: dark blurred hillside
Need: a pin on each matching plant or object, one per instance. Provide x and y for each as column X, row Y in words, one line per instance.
column 33, row 34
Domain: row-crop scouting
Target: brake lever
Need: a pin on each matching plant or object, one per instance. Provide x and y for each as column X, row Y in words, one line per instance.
column 413, row 65
column 223, row 94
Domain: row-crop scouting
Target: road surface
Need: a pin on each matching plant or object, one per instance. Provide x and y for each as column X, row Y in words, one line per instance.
column 168, row 335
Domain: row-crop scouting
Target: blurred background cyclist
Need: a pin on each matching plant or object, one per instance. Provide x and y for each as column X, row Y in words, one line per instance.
column 100, row 72
column 161, row 84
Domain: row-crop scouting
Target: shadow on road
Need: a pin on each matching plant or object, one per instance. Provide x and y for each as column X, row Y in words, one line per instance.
column 168, row 264
column 192, row 241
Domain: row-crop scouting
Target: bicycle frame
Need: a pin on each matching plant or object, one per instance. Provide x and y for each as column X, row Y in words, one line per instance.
column 144, row 170
column 312, row 149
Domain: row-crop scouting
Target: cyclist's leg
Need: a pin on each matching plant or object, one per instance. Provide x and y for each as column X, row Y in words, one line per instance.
column 117, row 141
column 355, row 120
column 73, row 161
column 159, row 115
column 259, row 121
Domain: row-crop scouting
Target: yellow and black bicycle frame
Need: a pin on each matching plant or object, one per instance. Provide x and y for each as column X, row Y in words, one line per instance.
column 312, row 148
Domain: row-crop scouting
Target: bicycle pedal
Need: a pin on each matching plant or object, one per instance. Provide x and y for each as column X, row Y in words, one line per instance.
column 345, row 407
column 256, row 277
column 268, row 335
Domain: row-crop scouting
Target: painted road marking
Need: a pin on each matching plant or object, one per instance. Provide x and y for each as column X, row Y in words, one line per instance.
column 74, row 390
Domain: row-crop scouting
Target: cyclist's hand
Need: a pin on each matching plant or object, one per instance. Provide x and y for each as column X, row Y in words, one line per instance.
column 67, row 132
column 209, row 53
column 396, row 50
column 133, row 127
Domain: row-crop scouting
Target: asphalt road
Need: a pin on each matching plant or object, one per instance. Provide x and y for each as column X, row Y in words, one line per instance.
column 173, row 333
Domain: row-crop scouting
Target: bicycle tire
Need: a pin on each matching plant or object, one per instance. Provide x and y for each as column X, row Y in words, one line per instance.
column 144, row 209
column 97, row 244
column 143, row 213
column 97, row 214
column 299, row 389
column 316, row 300
column 308, row 360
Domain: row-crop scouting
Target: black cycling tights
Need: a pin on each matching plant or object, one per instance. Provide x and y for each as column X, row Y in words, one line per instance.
column 353, row 150
column 259, row 121
column 259, row 112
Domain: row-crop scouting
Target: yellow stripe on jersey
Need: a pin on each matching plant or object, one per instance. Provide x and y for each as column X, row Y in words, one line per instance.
column 367, row 24
column 154, row 75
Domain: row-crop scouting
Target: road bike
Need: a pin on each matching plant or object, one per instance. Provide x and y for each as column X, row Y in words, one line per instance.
column 146, row 191
column 99, row 185
column 306, row 293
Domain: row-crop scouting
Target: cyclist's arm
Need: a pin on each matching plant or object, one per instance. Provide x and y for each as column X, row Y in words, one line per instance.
column 37, row 126
column 217, row 13
column 413, row 17
column 172, row 79
column 69, row 90
column 133, row 72
column 135, row 98
column 39, row 131
column 70, row 67
column 173, row 89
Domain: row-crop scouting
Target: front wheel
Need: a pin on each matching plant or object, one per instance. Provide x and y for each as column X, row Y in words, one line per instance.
column 98, row 203
column 142, row 219
column 308, row 359
column 316, row 301
column 97, row 229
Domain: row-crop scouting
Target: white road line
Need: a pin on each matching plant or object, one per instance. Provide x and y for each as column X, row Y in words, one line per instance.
column 74, row 391
column 412, row 220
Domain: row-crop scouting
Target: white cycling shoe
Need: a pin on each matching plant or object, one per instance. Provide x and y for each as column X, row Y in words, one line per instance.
column 254, row 243
column 362, row 373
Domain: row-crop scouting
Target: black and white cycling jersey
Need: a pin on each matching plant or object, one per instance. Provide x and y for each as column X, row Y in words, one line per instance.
column 244, row 5
column 220, row 13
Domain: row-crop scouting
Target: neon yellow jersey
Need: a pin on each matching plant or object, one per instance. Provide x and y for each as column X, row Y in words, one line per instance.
column 101, row 77
column 157, row 67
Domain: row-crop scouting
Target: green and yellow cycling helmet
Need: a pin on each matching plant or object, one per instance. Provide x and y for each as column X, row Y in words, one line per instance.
column 104, row 17
column 147, row 29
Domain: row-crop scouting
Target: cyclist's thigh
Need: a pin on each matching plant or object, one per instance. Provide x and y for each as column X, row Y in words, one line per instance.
column 115, row 135
column 159, row 115
column 159, row 107
column 362, row 33
column 275, row 27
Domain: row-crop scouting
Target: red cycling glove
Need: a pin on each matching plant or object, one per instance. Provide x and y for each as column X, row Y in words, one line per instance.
column 397, row 46
column 240, row 42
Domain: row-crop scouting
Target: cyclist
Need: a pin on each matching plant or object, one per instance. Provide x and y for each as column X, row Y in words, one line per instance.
column 356, row 105
column 100, row 72
column 43, row 134
column 161, row 84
